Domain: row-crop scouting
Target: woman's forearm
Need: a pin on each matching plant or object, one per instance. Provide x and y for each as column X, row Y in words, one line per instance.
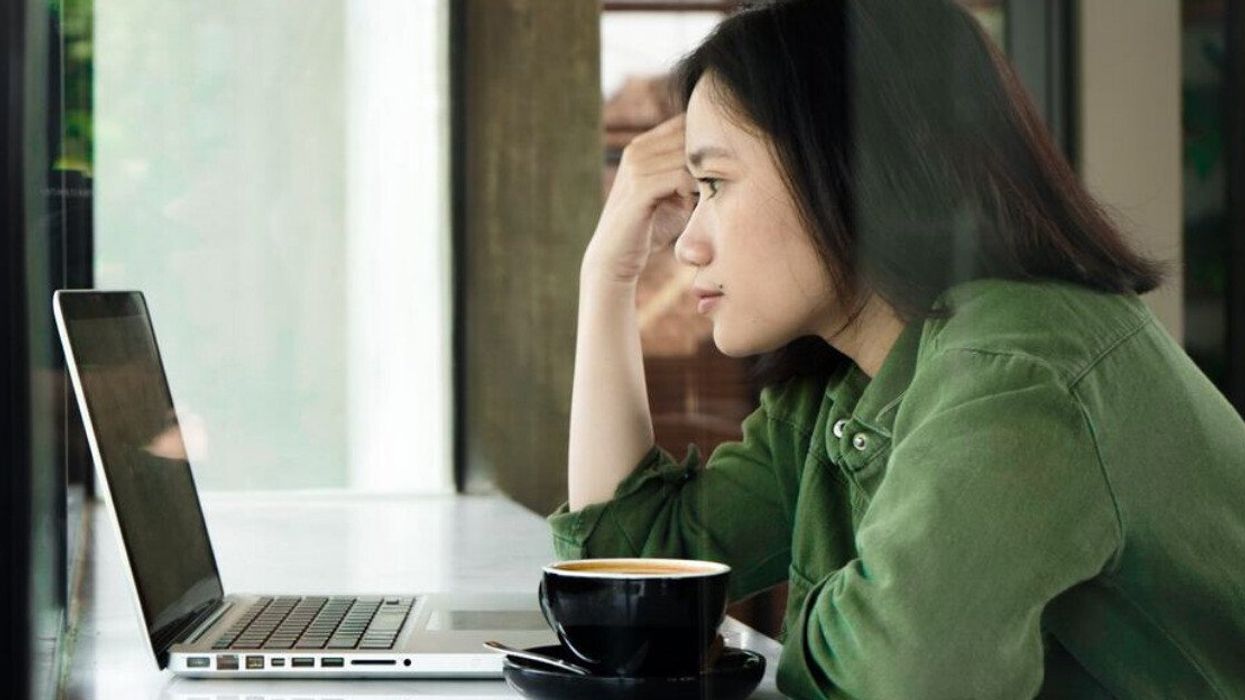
column 611, row 427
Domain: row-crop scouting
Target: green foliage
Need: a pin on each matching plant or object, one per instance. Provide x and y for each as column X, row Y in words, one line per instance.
column 77, row 24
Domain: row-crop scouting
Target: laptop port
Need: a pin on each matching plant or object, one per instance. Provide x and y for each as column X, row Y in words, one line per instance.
column 199, row 662
column 254, row 662
column 278, row 662
column 302, row 662
column 331, row 662
column 226, row 662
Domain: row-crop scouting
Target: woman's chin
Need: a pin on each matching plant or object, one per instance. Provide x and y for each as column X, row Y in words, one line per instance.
column 733, row 346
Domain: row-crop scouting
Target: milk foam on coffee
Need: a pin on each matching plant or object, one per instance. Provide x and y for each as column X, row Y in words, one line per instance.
column 638, row 567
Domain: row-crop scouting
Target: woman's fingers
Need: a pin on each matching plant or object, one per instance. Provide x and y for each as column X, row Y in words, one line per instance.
column 669, row 219
column 673, row 209
column 647, row 204
column 668, row 181
column 673, row 125
column 660, row 144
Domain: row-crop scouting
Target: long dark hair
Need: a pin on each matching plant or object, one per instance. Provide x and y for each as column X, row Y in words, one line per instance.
column 915, row 157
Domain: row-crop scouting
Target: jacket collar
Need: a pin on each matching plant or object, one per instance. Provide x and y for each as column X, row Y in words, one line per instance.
column 874, row 402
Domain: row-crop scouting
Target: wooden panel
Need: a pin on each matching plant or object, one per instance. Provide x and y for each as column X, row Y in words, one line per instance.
column 530, row 193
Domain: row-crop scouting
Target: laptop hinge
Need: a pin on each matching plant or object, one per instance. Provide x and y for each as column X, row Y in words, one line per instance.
column 176, row 631
column 213, row 615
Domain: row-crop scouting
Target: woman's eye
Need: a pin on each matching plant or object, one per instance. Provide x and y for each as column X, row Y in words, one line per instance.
column 711, row 183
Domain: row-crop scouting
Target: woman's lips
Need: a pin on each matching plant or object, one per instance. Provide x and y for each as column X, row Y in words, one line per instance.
column 707, row 302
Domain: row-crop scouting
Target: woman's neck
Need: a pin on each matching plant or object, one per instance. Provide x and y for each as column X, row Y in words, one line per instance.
column 870, row 338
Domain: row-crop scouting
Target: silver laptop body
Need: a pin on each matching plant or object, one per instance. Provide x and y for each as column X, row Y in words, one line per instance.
column 195, row 629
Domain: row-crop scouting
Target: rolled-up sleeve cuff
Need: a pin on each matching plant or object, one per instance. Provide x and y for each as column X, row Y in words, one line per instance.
column 572, row 530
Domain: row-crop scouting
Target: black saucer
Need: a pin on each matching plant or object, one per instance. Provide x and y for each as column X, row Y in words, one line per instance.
column 735, row 675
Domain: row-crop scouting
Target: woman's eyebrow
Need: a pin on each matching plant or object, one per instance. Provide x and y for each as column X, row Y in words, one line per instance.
column 702, row 154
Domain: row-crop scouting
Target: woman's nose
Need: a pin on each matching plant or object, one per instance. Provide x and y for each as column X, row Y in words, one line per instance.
column 691, row 248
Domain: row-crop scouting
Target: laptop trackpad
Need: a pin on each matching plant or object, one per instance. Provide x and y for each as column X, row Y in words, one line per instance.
column 466, row 620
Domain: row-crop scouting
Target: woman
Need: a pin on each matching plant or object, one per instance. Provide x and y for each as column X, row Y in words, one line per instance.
column 982, row 464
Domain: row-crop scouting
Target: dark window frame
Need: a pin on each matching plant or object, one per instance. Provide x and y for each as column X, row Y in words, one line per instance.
column 1041, row 40
column 22, row 52
column 1234, row 118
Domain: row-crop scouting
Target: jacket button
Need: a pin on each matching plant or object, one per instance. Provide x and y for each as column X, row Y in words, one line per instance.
column 839, row 427
column 860, row 441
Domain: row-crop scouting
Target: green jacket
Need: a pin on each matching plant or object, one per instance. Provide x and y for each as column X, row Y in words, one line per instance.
column 1040, row 495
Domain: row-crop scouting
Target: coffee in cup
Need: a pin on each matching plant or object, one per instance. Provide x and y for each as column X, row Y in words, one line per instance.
column 636, row 617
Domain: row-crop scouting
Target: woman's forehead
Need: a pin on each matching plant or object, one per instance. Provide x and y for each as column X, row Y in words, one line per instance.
column 715, row 128
column 705, row 109
column 712, row 130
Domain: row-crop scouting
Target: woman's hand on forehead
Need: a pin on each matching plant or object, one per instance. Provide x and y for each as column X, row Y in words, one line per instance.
column 648, row 205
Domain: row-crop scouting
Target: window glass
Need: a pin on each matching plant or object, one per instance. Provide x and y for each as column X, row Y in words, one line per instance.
column 273, row 175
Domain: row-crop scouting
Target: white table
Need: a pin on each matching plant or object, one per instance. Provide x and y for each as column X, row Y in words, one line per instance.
column 278, row 543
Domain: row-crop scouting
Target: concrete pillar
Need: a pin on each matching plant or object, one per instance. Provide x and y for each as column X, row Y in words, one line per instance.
column 528, row 195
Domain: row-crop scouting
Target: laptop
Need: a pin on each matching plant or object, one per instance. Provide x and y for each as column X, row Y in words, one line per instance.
column 197, row 630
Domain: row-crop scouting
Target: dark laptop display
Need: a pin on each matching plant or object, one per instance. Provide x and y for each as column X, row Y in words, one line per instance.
column 141, row 446
column 196, row 629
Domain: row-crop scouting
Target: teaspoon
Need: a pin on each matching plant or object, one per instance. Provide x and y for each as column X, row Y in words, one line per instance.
column 540, row 658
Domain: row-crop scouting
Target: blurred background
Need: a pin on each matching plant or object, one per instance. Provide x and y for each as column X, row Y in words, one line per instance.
column 358, row 225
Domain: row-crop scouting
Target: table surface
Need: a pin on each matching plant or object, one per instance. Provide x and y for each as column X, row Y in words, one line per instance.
column 277, row 543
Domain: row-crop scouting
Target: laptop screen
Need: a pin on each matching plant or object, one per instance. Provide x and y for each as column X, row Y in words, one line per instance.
column 144, row 458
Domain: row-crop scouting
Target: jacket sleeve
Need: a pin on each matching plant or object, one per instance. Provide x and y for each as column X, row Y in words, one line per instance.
column 993, row 503
column 736, row 508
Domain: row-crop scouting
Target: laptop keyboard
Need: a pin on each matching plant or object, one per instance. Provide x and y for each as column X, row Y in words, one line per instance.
column 318, row 622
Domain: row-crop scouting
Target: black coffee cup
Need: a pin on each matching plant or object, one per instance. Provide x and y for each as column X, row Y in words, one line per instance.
column 636, row 617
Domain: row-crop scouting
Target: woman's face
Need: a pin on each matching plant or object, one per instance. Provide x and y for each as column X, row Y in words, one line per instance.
column 746, row 240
